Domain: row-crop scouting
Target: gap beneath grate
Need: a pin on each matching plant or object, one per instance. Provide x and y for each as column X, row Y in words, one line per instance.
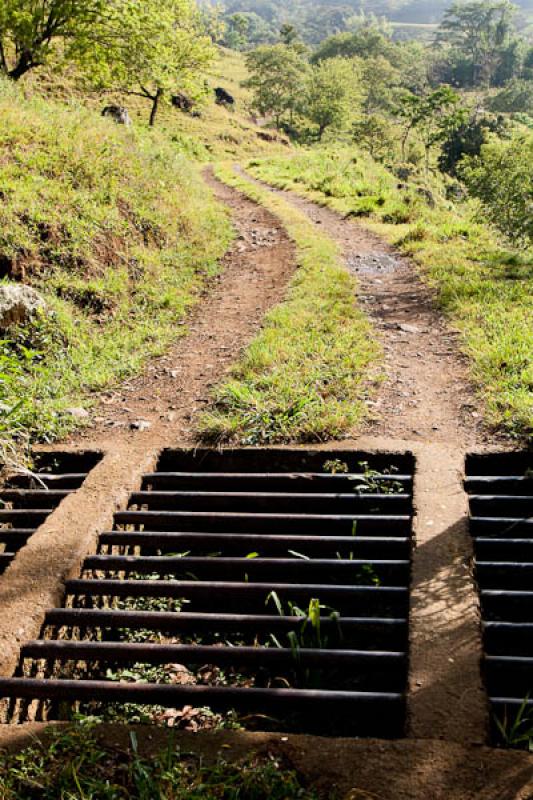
column 500, row 488
column 28, row 498
column 206, row 593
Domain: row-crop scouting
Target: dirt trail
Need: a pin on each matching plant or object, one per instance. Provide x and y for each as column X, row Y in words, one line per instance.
column 427, row 406
column 174, row 388
column 426, row 395
column 153, row 411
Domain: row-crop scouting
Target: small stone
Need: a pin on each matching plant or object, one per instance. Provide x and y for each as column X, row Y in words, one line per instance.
column 407, row 328
column 140, row 425
column 77, row 413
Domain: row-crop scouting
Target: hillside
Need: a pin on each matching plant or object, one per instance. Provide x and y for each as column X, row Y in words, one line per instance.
column 114, row 228
column 217, row 132
column 316, row 19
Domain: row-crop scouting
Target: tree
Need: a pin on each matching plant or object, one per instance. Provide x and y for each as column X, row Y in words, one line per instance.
column 467, row 141
column 433, row 115
column 333, row 93
column 288, row 33
column 31, row 30
column 502, row 179
column 159, row 45
column 277, row 79
column 480, row 31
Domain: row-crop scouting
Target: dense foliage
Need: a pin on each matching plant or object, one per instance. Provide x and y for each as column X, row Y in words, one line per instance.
column 254, row 22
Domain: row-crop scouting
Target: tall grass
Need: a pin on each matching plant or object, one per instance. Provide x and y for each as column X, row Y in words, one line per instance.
column 117, row 231
column 305, row 377
column 485, row 287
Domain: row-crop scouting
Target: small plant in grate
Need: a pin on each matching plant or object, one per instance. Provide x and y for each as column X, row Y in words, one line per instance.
column 336, row 467
column 374, row 482
column 310, row 633
column 517, row 731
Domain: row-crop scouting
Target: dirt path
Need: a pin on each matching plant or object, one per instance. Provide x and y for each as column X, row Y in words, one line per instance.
column 425, row 405
column 154, row 411
column 174, row 388
column 426, row 395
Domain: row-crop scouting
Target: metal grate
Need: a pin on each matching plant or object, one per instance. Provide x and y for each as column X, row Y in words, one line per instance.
column 212, row 564
column 501, row 507
column 27, row 498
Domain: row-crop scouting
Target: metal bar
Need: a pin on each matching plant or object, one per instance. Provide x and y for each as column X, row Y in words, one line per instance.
column 504, row 574
column 131, row 653
column 290, row 482
column 512, row 638
column 492, row 549
column 326, row 570
column 72, row 480
column 395, row 546
column 227, row 596
column 508, row 484
column 501, row 505
column 367, row 707
column 368, row 632
column 18, row 515
column 506, row 605
column 272, row 502
column 255, row 523
column 514, row 527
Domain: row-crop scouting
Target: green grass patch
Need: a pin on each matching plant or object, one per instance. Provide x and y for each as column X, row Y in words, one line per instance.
column 117, row 231
column 485, row 287
column 307, row 374
column 76, row 762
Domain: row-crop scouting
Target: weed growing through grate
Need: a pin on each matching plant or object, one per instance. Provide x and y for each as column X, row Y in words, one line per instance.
column 517, row 731
column 77, row 762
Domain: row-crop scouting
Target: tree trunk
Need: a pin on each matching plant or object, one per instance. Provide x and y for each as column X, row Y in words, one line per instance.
column 23, row 65
column 156, row 99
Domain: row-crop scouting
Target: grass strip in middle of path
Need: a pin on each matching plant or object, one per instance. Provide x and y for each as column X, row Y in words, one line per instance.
column 307, row 374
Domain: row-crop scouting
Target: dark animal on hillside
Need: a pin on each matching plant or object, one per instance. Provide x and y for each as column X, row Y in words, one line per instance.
column 117, row 113
column 223, row 98
column 183, row 102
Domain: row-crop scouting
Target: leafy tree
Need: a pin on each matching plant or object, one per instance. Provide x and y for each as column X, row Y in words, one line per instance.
column 516, row 97
column 30, row 30
column 502, row 178
column 480, row 31
column 374, row 133
column 288, row 33
column 277, row 79
column 333, row 93
column 433, row 116
column 365, row 43
column 158, row 45
column 467, row 140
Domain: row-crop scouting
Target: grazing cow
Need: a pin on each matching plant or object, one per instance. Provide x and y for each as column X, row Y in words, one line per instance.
column 223, row 98
column 117, row 113
column 183, row 102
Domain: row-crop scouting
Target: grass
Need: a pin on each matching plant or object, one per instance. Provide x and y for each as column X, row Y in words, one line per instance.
column 305, row 377
column 76, row 763
column 218, row 134
column 485, row 287
column 116, row 229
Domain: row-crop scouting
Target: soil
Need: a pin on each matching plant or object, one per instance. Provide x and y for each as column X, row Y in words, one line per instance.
column 173, row 389
column 426, row 395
